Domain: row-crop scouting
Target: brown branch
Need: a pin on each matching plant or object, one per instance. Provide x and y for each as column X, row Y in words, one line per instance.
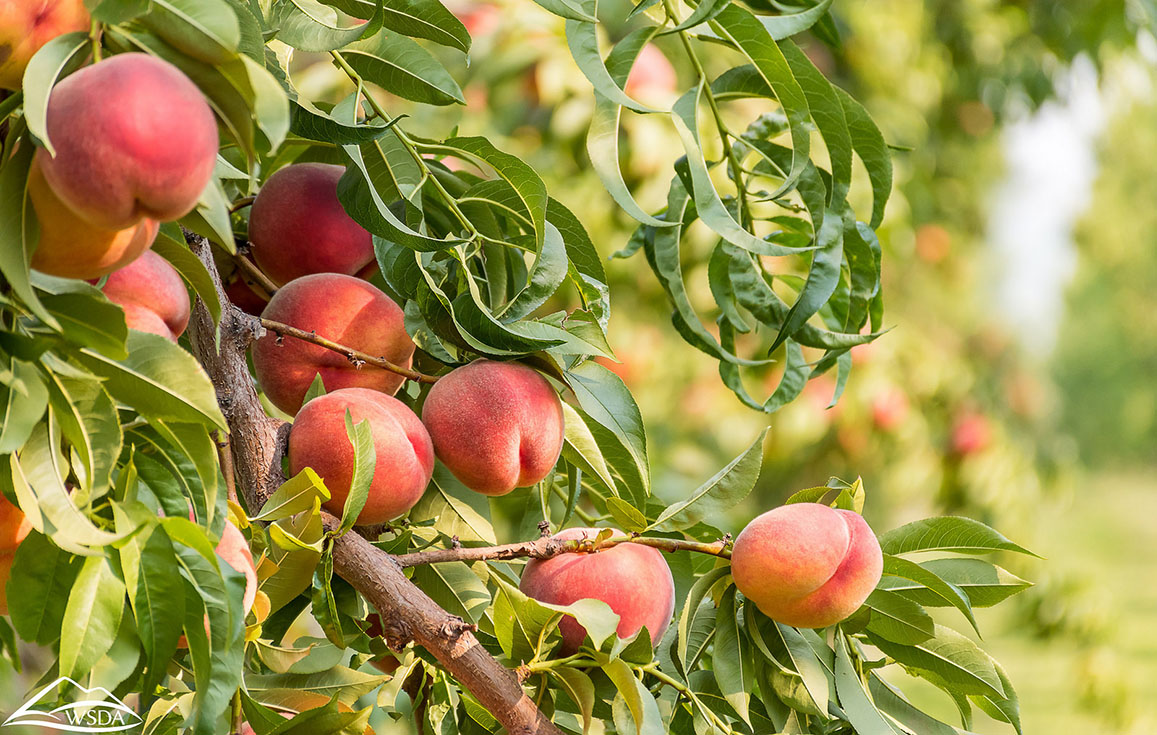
column 407, row 613
column 356, row 357
column 225, row 458
column 256, row 275
column 546, row 548
column 241, row 203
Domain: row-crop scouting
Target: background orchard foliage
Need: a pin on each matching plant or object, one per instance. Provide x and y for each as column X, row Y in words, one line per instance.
column 531, row 158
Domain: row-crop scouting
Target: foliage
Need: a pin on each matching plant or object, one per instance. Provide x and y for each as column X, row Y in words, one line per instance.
column 108, row 436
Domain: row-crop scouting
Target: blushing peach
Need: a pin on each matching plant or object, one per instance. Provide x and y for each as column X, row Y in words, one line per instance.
column 26, row 25
column 806, row 564
column 134, row 138
column 495, row 425
column 344, row 309
column 634, row 580
column 152, row 294
column 404, row 455
column 297, row 226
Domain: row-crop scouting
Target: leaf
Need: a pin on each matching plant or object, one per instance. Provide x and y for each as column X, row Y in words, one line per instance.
column 985, row 584
column 580, row 449
column 455, row 517
column 43, row 573
column 626, row 515
column 347, row 684
column 950, row 593
column 22, row 405
column 806, row 663
column 609, row 404
column 857, row 705
column 580, row 689
column 869, row 144
column 949, row 656
column 91, row 618
column 19, row 233
column 160, row 380
column 455, row 588
column 54, row 59
column 1004, row 709
column 399, row 65
column 948, row 533
column 898, row 619
column 582, row 38
column 207, row 30
column 158, row 603
column 191, row 269
column 699, row 590
column 789, row 24
column 295, row 568
column 723, row 491
column 891, row 701
column 634, row 709
column 89, row 421
column 297, row 494
column 362, row 475
column 307, row 25
column 427, row 19
column 86, row 317
column 731, row 664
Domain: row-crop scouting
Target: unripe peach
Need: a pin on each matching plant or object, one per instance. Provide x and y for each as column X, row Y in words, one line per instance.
column 71, row 247
column 134, row 138
column 14, row 526
column 634, row 580
column 341, row 308
column 495, row 425
column 152, row 294
column 806, row 564
column 404, row 455
column 297, row 226
column 26, row 25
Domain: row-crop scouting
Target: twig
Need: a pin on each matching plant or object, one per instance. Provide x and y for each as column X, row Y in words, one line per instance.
column 241, row 203
column 257, row 275
column 357, row 357
column 546, row 548
column 225, row 457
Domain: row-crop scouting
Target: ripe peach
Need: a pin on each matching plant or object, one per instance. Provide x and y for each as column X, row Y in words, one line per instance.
column 152, row 294
column 971, row 433
column 405, row 456
column 633, row 579
column 234, row 549
column 14, row 526
column 495, row 425
column 344, row 309
column 889, row 408
column 134, row 138
column 71, row 247
column 297, row 226
column 242, row 295
column 26, row 25
column 806, row 564
column 652, row 78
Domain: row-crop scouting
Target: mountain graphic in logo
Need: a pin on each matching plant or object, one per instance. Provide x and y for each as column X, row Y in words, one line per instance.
column 95, row 710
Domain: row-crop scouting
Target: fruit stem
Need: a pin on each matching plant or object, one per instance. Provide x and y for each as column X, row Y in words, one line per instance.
column 549, row 547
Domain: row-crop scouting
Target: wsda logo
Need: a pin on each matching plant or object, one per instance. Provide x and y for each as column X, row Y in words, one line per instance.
column 95, row 710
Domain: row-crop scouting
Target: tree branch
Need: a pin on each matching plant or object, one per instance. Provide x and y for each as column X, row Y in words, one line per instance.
column 407, row 613
column 548, row 547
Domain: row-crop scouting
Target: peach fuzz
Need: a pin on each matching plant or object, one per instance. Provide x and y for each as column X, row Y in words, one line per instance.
column 495, row 425
column 71, row 247
column 807, row 565
column 134, row 138
column 633, row 579
column 341, row 308
column 297, row 226
column 404, row 455
column 26, row 25
column 152, row 294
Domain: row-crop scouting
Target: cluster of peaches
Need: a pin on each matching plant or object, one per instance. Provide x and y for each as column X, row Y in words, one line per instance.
column 135, row 144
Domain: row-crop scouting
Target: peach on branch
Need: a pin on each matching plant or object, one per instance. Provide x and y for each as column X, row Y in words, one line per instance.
column 634, row 580
column 297, row 226
column 152, row 294
column 806, row 564
column 26, row 25
column 71, row 247
column 495, row 425
column 404, row 455
column 133, row 139
column 343, row 309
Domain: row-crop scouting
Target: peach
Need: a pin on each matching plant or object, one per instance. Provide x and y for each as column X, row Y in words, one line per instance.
column 5, row 574
column 386, row 664
column 404, row 454
column 652, row 78
column 633, row 579
column 495, row 425
column 971, row 433
column 806, row 564
column 297, row 226
column 152, row 294
column 341, row 308
column 134, row 139
column 234, row 549
column 14, row 526
column 26, row 25
column 241, row 294
column 71, row 247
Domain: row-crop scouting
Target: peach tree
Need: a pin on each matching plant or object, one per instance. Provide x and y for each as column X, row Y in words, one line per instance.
column 306, row 423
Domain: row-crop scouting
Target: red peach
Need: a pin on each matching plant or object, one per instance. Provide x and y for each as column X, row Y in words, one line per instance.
column 405, row 456
column 495, row 425
column 341, row 308
column 633, row 579
column 971, row 433
column 152, row 294
column 26, row 25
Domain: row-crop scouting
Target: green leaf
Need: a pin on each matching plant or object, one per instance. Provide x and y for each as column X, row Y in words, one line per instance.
column 427, row 19
column 789, row 24
column 726, row 489
column 857, row 705
column 295, row 567
column 158, row 602
column 985, row 584
column 581, row 450
column 160, row 380
column 731, row 663
column 891, row 701
column 582, row 37
column 191, row 269
column 443, row 502
column 19, row 233
column 616, row 423
column 22, row 404
column 307, row 25
column 580, row 689
column 869, row 144
column 402, row 67
column 295, row 495
column 626, row 515
column 53, row 61
column 898, row 619
column 42, row 574
column 86, row 317
column 951, row 657
column 207, row 30
column 1003, row 709
column 948, row 592
column 365, row 461
column 91, row 618
column 455, row 588
column 948, row 533
column 89, row 421
column 634, row 708
column 699, row 591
